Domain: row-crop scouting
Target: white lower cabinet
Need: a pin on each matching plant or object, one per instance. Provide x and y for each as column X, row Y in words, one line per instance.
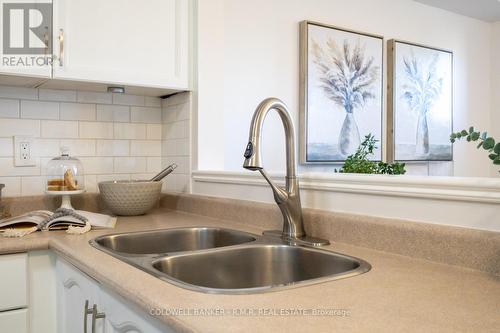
column 13, row 293
column 85, row 306
column 125, row 318
column 13, row 282
column 76, row 295
column 14, row 321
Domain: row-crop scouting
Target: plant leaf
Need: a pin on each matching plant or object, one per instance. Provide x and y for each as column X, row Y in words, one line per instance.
column 471, row 129
column 480, row 144
column 464, row 133
column 497, row 148
column 497, row 161
column 489, row 143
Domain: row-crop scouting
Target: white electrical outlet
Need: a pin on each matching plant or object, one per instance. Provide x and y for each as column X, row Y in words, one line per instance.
column 23, row 151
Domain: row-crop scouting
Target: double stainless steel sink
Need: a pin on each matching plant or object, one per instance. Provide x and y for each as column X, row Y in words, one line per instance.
column 218, row 260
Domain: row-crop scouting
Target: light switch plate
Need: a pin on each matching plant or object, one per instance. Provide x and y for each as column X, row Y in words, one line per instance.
column 24, row 151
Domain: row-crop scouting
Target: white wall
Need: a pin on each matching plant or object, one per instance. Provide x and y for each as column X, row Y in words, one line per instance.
column 248, row 50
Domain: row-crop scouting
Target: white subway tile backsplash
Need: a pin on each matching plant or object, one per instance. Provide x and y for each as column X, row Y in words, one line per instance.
column 130, row 165
column 57, row 95
column 6, row 147
column 182, row 129
column 176, row 130
column 32, row 185
column 59, row 129
column 11, row 127
column 176, row 99
column 77, row 111
column 169, row 115
column 9, row 108
column 116, row 136
column 18, row 92
column 47, row 147
column 7, row 168
column 153, row 164
column 168, row 148
column 182, row 147
column 12, row 186
column 90, row 182
column 129, row 131
column 97, row 165
column 169, row 183
column 96, row 130
column 145, row 148
column 142, row 176
column 145, row 115
column 175, row 141
column 116, row 113
column 80, row 147
column 39, row 110
column 94, row 97
column 167, row 131
column 181, row 183
column 153, row 131
column 176, row 147
column 43, row 164
column 113, row 147
column 111, row 177
column 152, row 101
column 182, row 163
column 183, row 111
column 125, row 99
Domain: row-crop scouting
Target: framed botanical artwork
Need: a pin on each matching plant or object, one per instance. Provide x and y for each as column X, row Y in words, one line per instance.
column 341, row 97
column 420, row 102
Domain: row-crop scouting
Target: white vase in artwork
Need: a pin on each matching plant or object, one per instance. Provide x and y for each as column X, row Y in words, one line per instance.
column 349, row 139
column 422, row 139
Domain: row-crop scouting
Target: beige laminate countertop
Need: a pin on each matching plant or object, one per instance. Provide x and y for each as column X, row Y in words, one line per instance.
column 398, row 294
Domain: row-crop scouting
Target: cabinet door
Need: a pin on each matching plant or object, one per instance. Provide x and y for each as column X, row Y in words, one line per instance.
column 134, row 42
column 122, row 317
column 13, row 281
column 74, row 289
column 14, row 321
column 26, row 44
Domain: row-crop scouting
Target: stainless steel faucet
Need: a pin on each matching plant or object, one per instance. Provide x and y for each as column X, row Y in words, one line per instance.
column 287, row 198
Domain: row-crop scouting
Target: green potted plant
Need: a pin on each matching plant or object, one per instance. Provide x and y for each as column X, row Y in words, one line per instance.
column 359, row 162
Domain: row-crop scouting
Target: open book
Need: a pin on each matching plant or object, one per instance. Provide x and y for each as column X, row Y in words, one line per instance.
column 42, row 220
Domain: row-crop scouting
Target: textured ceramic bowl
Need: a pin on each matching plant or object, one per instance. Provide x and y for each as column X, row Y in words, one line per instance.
column 128, row 198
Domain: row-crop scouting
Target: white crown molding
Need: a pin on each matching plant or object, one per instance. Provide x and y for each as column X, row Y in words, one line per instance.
column 485, row 190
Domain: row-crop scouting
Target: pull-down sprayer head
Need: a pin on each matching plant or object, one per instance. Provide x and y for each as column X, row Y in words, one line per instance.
column 253, row 160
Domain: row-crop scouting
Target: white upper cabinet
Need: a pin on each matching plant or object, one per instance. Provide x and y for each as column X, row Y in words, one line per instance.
column 133, row 42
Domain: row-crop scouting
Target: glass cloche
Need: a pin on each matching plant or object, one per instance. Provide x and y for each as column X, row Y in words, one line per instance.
column 64, row 174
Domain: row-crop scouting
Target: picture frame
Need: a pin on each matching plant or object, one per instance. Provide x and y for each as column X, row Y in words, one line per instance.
column 324, row 120
column 416, row 132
